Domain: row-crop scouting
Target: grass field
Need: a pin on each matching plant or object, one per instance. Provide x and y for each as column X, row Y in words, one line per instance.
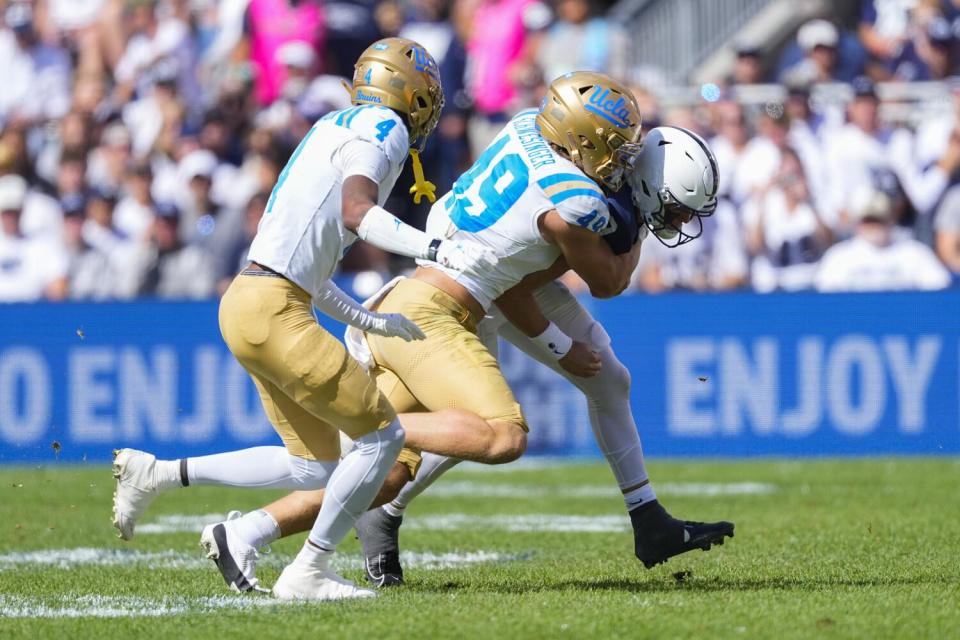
column 867, row 549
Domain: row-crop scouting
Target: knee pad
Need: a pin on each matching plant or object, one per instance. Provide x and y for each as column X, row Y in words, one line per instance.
column 309, row 475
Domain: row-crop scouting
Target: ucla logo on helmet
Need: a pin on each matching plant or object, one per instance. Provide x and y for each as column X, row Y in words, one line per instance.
column 609, row 106
column 423, row 62
column 380, row 46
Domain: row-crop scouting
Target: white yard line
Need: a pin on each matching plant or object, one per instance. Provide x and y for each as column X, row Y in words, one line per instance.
column 98, row 606
column 169, row 559
column 459, row 488
column 530, row 522
column 194, row 523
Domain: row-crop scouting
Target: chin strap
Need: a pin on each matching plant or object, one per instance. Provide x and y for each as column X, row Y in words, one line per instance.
column 421, row 186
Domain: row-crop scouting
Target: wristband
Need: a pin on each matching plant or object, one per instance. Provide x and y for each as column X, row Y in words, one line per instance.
column 554, row 341
column 433, row 248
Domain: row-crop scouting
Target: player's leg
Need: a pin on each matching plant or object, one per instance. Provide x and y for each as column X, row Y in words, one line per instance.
column 379, row 529
column 657, row 535
column 269, row 326
column 451, row 372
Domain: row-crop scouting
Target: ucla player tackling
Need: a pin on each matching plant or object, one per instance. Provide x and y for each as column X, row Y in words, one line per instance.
column 538, row 210
column 330, row 193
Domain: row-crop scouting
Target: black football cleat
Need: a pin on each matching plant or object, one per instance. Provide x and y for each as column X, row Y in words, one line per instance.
column 658, row 536
column 379, row 533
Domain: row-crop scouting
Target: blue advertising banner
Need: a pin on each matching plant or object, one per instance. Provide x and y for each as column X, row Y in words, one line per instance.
column 713, row 375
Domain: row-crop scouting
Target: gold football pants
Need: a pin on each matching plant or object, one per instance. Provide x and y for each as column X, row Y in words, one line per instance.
column 450, row 369
column 309, row 385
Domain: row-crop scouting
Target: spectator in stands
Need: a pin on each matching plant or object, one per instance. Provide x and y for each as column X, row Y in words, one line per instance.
column 729, row 144
column 351, row 26
column 884, row 31
column 823, row 59
column 808, row 129
column 748, row 67
column 866, row 153
column 155, row 38
column 878, row 257
column 947, row 225
column 216, row 229
column 31, row 268
column 174, row 270
column 496, row 69
column 927, row 55
column 784, row 231
column 35, row 76
column 269, row 25
column 238, row 254
column 102, row 263
column 761, row 155
column 134, row 213
column 579, row 39
column 107, row 163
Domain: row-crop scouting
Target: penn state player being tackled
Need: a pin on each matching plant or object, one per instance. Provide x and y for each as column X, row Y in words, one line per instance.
column 330, row 193
column 672, row 185
column 569, row 340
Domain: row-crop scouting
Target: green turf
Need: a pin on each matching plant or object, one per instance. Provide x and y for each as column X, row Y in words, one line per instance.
column 865, row 549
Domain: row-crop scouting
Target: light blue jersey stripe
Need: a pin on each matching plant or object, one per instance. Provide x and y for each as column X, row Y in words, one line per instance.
column 563, row 177
column 352, row 116
column 346, row 113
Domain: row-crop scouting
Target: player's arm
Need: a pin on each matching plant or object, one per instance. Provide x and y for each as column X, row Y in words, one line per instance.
column 520, row 308
column 364, row 167
column 332, row 301
column 606, row 273
column 518, row 304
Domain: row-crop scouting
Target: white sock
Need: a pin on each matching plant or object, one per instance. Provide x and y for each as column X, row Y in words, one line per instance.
column 641, row 495
column 260, row 468
column 394, row 510
column 431, row 468
column 166, row 473
column 257, row 528
column 313, row 557
column 354, row 484
column 608, row 402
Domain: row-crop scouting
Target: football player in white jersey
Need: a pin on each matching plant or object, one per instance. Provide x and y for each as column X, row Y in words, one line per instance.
column 329, row 194
column 568, row 339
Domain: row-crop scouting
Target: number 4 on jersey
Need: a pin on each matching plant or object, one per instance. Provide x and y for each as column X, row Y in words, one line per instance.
column 385, row 128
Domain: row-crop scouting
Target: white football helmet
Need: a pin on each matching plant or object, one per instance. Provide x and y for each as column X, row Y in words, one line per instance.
column 674, row 182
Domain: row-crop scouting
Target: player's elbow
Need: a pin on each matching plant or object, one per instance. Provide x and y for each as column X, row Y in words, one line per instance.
column 353, row 211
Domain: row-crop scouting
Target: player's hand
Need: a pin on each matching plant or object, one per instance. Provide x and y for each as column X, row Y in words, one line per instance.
column 581, row 361
column 395, row 325
column 465, row 256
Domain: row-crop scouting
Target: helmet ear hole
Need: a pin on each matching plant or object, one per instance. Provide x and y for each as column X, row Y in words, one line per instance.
column 586, row 143
column 421, row 103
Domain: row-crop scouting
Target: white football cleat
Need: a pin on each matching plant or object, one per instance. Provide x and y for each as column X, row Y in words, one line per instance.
column 137, row 486
column 236, row 560
column 314, row 581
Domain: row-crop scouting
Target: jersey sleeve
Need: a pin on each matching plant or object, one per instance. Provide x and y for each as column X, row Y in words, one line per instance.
column 579, row 201
column 379, row 126
column 358, row 157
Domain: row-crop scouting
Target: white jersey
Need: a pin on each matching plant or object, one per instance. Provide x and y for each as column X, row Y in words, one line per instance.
column 499, row 201
column 301, row 234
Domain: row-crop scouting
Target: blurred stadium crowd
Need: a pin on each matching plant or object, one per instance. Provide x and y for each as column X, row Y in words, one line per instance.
column 141, row 138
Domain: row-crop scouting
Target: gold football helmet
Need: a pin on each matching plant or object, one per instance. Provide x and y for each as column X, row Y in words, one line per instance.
column 596, row 120
column 399, row 74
